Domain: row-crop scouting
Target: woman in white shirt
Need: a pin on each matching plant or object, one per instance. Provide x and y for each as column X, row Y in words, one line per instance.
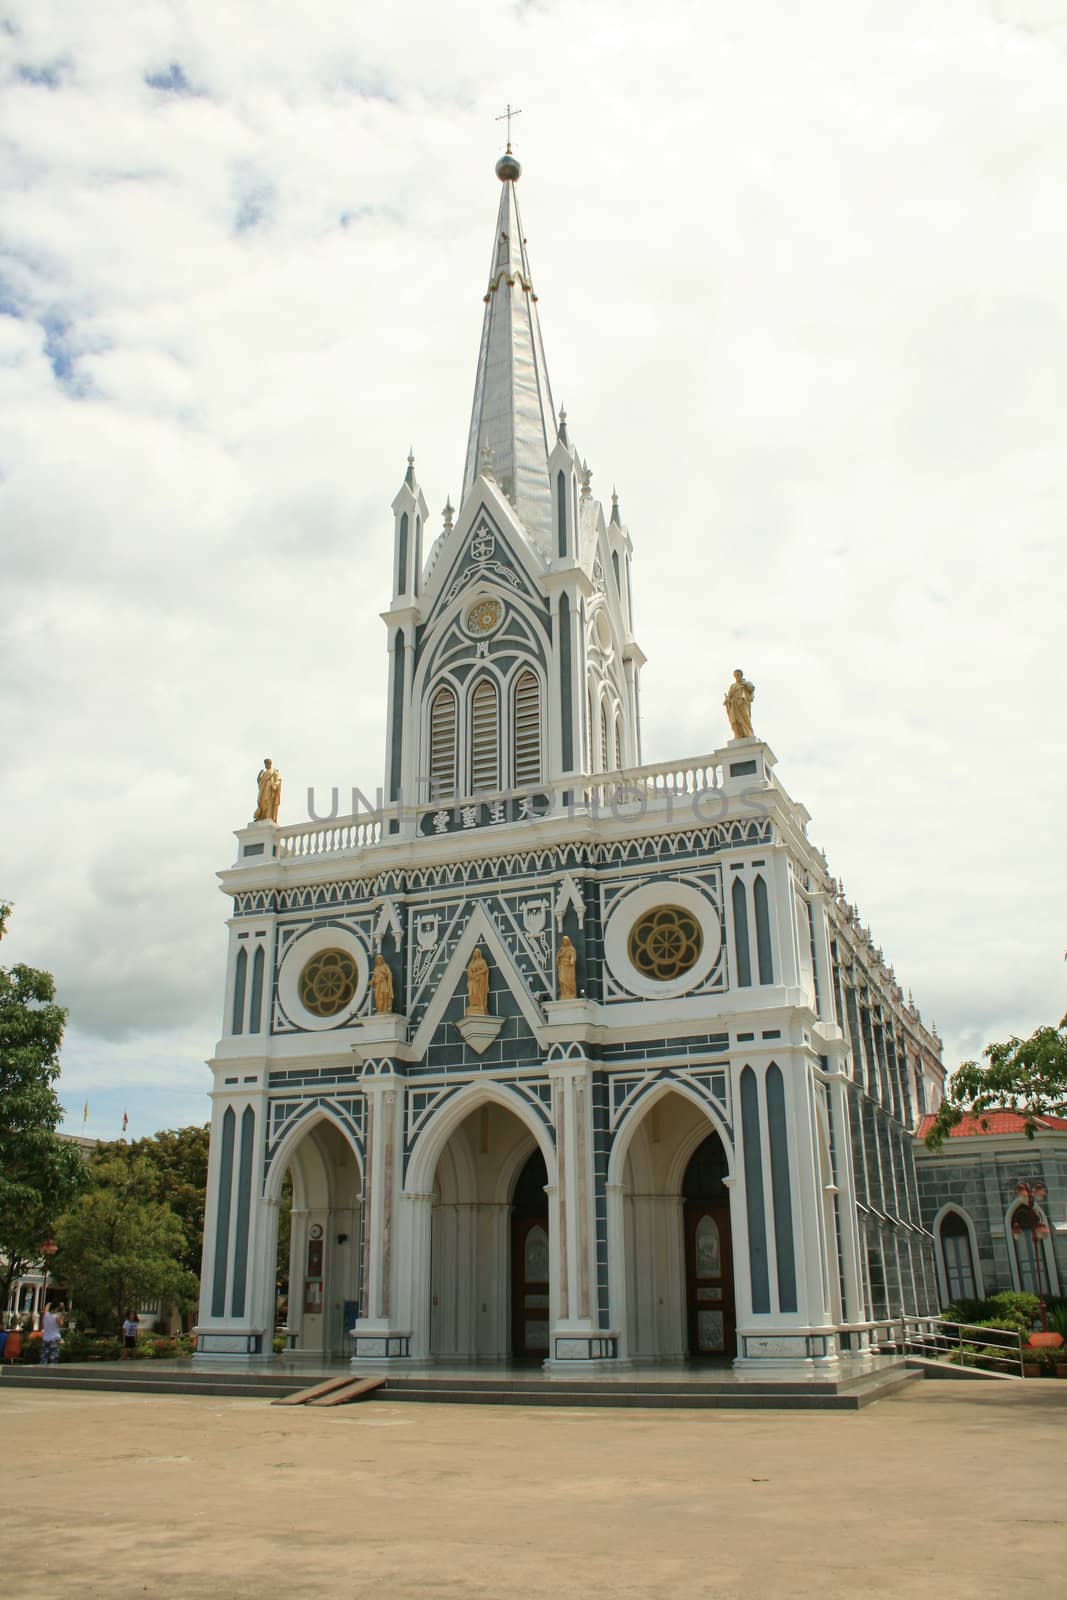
column 51, row 1333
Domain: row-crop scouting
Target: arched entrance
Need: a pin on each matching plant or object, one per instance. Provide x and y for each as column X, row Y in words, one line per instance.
column 316, row 1303
column 489, row 1242
column 711, row 1322
column 677, row 1247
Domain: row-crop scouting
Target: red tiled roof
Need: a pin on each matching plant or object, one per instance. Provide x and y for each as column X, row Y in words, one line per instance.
column 996, row 1122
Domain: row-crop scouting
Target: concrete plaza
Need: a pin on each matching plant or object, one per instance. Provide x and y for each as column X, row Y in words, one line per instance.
column 954, row 1489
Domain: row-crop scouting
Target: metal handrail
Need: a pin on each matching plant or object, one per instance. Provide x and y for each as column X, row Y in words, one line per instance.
column 941, row 1339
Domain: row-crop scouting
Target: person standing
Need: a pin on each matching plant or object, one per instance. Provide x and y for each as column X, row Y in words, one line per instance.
column 130, row 1330
column 51, row 1334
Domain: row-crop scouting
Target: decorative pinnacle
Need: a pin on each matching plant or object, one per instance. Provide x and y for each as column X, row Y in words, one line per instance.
column 587, row 481
column 561, row 431
column 409, row 476
column 448, row 513
column 508, row 169
column 614, row 505
column 485, row 461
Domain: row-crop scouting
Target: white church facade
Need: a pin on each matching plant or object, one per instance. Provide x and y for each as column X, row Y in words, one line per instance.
column 569, row 1057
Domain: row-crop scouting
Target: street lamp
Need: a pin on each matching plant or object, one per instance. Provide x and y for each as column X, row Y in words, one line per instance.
column 48, row 1250
column 1038, row 1230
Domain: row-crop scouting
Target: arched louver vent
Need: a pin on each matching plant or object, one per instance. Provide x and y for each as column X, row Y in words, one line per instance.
column 443, row 745
column 485, row 738
column 619, row 758
column 527, row 725
column 604, row 762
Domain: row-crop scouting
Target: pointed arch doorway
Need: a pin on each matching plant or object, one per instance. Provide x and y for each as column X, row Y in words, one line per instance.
column 316, row 1250
column 709, row 1277
column 674, row 1299
column 490, row 1242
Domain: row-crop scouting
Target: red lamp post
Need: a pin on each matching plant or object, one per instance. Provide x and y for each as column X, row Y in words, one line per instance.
column 1038, row 1230
column 48, row 1250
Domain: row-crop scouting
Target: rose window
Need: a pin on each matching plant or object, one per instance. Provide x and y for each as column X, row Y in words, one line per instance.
column 328, row 983
column 484, row 616
column 665, row 943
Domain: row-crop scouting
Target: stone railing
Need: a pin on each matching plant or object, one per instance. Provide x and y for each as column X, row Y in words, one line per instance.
column 318, row 838
column 656, row 789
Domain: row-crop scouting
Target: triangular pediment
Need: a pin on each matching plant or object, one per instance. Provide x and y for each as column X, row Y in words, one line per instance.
column 484, row 551
column 480, row 929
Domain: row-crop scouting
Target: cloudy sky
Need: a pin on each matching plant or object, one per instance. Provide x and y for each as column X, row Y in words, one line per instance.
column 802, row 279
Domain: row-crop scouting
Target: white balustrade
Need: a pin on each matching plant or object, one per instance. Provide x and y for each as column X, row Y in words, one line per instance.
column 627, row 793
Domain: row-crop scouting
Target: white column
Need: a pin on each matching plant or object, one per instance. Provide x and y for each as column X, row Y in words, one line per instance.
column 381, row 1332
column 575, row 1322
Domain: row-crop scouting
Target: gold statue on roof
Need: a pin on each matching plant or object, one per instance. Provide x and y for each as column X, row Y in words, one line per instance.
column 738, row 703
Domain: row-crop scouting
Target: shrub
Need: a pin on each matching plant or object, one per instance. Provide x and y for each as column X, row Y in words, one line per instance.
column 1022, row 1310
column 1004, row 1323
column 164, row 1348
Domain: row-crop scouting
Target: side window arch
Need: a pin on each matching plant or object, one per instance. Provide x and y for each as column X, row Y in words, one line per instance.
column 443, row 749
column 484, row 737
column 957, row 1256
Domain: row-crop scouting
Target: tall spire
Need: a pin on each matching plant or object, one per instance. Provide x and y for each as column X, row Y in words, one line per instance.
column 513, row 416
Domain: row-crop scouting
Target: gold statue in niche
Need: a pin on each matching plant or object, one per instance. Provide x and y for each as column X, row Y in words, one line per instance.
column 738, row 703
column 269, row 798
column 381, row 981
column 477, row 984
column 567, row 969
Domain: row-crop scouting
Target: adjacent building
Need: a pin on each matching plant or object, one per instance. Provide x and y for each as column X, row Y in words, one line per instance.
column 988, row 1236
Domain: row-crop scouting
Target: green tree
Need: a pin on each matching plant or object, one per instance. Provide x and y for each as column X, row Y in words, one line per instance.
column 1024, row 1075
column 119, row 1247
column 39, row 1173
column 178, row 1157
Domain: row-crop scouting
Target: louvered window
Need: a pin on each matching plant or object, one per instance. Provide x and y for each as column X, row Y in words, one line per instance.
column 527, row 725
column 619, row 759
column 604, row 763
column 485, row 738
column 443, row 745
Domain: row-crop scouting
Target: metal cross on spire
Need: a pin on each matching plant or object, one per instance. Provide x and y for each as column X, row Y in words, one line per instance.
column 506, row 117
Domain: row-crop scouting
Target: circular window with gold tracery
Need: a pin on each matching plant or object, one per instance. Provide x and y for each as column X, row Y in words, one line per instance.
column 328, row 983
column 484, row 616
column 665, row 943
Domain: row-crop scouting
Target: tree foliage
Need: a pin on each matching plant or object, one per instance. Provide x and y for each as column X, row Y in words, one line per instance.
column 120, row 1247
column 178, row 1160
column 1024, row 1075
column 39, row 1173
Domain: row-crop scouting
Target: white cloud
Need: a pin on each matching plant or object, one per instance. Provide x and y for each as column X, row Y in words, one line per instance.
column 801, row 274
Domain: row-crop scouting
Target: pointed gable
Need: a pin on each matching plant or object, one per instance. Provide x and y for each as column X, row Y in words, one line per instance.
column 513, row 420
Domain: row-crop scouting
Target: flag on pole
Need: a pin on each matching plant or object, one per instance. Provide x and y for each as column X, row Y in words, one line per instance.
column 125, row 1121
column 85, row 1113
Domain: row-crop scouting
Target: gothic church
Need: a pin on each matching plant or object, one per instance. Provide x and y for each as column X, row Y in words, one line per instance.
column 569, row 1057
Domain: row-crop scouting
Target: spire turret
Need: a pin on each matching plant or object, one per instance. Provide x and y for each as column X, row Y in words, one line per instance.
column 512, row 416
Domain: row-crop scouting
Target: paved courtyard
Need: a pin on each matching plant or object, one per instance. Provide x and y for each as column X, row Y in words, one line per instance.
column 950, row 1489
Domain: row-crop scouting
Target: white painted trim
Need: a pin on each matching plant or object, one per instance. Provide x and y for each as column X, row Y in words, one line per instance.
column 443, row 1122
column 1051, row 1273
column 939, row 1257
column 298, row 952
column 293, row 1136
column 630, row 907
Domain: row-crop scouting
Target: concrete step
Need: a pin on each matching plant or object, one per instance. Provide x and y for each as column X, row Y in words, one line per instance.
column 251, row 1385
column 474, row 1389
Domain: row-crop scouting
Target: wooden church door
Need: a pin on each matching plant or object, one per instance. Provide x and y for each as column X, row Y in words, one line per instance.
column 529, row 1263
column 709, row 1282
column 711, row 1317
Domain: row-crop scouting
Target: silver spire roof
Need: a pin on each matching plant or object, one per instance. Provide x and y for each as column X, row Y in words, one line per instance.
column 512, row 416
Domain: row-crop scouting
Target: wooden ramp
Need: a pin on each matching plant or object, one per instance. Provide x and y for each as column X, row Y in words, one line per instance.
column 334, row 1392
